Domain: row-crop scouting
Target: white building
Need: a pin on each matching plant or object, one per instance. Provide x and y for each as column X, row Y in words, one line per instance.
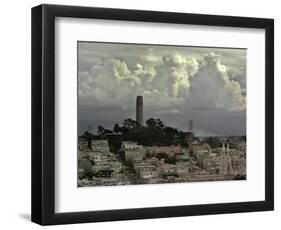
column 133, row 151
column 126, row 145
column 100, row 146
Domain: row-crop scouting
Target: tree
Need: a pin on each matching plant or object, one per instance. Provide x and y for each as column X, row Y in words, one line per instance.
column 161, row 156
column 166, row 157
column 170, row 160
column 214, row 142
column 116, row 128
column 88, row 136
column 101, row 130
column 114, row 142
column 171, row 131
column 130, row 123
column 107, row 131
column 154, row 124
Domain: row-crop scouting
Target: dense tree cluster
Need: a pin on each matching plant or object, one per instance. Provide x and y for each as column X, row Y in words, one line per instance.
column 168, row 159
column 153, row 133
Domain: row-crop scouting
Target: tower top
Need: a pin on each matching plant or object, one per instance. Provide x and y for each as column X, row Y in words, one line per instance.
column 139, row 100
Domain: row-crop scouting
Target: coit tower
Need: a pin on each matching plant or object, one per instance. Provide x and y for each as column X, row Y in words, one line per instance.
column 139, row 112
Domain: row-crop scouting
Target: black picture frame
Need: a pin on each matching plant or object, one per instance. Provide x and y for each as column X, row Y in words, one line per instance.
column 43, row 114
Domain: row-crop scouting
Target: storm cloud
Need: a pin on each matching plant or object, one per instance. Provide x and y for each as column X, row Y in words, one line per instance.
column 177, row 83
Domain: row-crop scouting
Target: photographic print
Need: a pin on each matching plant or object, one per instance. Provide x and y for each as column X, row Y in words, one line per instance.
column 153, row 114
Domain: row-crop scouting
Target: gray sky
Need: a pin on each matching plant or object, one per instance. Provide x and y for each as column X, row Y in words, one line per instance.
column 207, row 85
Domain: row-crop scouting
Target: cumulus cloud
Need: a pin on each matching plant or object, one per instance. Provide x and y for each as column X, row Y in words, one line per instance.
column 211, row 87
column 167, row 82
